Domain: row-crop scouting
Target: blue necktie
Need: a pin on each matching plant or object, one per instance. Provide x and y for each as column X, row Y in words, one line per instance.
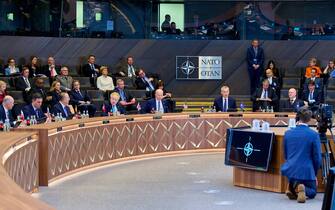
column 123, row 98
column 65, row 111
column 225, row 105
column 158, row 106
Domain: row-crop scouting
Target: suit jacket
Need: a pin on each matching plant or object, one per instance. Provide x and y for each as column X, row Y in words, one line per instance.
column 287, row 106
column 124, row 69
column 218, row 103
column 76, row 97
column 58, row 108
column 264, row 104
column 258, row 93
column 29, row 111
column 34, row 72
column 302, row 152
column 87, row 71
column 318, row 83
column 8, row 73
column 127, row 94
column 141, row 85
column 151, row 105
column 253, row 58
column 3, row 115
column 108, row 108
column 20, row 84
column 316, row 97
column 40, row 91
column 55, row 97
column 45, row 70
column 65, row 82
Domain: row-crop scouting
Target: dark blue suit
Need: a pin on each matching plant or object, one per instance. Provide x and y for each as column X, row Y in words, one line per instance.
column 109, row 108
column 254, row 74
column 29, row 111
column 82, row 96
column 59, row 109
column 3, row 116
column 218, row 103
column 302, row 152
column 151, row 105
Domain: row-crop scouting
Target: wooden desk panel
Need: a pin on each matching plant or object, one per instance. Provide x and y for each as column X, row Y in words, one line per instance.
column 19, row 171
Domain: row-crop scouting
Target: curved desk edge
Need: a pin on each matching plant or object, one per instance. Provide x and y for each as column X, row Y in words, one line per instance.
column 19, row 171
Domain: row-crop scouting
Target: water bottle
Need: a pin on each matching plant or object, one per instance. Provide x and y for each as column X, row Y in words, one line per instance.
column 6, row 126
column 86, row 114
column 271, row 110
column 32, row 120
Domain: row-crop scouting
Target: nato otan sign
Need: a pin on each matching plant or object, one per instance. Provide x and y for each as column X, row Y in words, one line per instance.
column 199, row 67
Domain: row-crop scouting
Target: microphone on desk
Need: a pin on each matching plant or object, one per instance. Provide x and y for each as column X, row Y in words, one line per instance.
column 242, row 107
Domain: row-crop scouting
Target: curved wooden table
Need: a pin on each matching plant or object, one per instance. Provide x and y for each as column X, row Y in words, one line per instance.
column 69, row 146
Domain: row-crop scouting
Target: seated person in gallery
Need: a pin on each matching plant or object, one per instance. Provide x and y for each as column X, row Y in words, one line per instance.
column 317, row 81
column 225, row 103
column 292, row 104
column 264, row 97
column 302, row 153
column 312, row 65
column 312, row 97
column 81, row 100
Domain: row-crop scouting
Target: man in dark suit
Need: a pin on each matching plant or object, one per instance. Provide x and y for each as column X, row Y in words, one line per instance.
column 34, row 109
column 6, row 110
column 264, row 97
column 39, row 88
column 312, row 97
column 225, row 103
column 62, row 107
column 302, row 153
column 113, row 107
column 90, row 69
column 293, row 104
column 127, row 101
column 156, row 104
column 273, row 81
column 255, row 61
column 81, row 99
column 51, row 70
column 23, row 83
column 144, row 83
column 127, row 69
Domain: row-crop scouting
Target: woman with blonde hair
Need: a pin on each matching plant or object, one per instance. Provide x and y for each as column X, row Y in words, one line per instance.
column 3, row 92
column 54, row 94
column 104, row 82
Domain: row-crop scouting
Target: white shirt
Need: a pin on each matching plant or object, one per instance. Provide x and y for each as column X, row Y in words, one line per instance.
column 6, row 112
column 26, row 80
column 270, row 80
column 223, row 100
column 105, row 83
column 263, row 94
column 131, row 71
column 64, row 109
column 159, row 106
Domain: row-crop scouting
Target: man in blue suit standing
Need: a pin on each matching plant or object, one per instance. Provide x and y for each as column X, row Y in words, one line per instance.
column 255, row 61
column 34, row 108
column 156, row 104
column 225, row 103
column 302, row 152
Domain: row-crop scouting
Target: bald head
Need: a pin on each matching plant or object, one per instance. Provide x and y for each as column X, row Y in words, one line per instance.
column 159, row 94
column 292, row 93
column 8, row 102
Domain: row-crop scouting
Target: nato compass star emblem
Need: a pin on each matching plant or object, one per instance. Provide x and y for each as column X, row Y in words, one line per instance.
column 188, row 67
column 248, row 149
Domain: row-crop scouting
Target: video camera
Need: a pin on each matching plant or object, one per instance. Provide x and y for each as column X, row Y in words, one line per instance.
column 324, row 117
